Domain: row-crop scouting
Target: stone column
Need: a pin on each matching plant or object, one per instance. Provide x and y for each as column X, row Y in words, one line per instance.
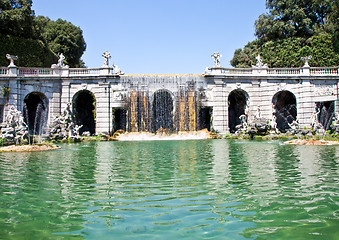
column 220, row 107
column 305, row 105
column 65, row 94
column 13, row 85
column 55, row 101
column 103, row 111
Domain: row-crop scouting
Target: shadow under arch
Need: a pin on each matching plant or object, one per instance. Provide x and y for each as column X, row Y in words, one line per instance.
column 162, row 110
column 237, row 104
column 84, row 109
column 35, row 112
column 285, row 109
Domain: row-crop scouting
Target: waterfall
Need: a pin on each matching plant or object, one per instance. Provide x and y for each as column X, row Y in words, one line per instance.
column 35, row 115
column 161, row 103
column 39, row 121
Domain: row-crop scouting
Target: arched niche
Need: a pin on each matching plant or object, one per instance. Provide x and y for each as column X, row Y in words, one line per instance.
column 237, row 104
column 35, row 112
column 285, row 109
column 84, row 110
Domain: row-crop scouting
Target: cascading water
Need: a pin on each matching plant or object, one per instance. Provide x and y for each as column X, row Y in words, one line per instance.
column 186, row 109
column 35, row 115
column 326, row 114
column 39, row 121
column 162, row 111
column 151, row 106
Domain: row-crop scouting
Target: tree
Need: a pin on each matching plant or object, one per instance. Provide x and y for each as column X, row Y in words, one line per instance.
column 16, row 18
column 63, row 37
column 292, row 18
column 293, row 29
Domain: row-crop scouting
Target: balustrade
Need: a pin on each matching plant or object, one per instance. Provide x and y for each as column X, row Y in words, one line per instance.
column 324, row 71
column 3, row 71
column 35, row 71
column 84, row 71
column 311, row 71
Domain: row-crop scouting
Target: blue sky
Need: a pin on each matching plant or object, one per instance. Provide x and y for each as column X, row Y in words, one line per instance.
column 158, row 36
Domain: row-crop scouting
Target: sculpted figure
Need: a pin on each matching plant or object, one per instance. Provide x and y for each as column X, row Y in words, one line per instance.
column 258, row 113
column 260, row 63
column 11, row 58
column 106, row 55
column 61, row 60
column 117, row 70
column 216, row 57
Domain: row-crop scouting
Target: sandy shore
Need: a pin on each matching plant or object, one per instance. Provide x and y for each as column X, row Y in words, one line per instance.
column 28, row 148
column 310, row 142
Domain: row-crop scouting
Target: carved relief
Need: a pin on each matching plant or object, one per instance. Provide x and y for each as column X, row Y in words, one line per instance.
column 324, row 90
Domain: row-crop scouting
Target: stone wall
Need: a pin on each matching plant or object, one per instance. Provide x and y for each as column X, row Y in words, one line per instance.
column 213, row 90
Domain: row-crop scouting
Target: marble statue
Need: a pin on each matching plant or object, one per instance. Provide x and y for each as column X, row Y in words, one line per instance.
column 60, row 63
column 273, row 124
column 315, row 124
column 306, row 59
column 260, row 63
column 11, row 58
column 14, row 129
column 63, row 127
column 117, row 70
column 258, row 113
column 216, row 57
column 106, row 55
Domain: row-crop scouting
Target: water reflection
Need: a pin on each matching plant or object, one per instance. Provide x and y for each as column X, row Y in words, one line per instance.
column 170, row 189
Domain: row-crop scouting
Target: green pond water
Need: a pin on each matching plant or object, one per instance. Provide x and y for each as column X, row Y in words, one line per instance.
column 206, row 189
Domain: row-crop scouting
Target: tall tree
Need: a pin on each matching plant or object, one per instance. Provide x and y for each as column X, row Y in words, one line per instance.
column 292, row 29
column 16, row 18
column 63, row 37
column 291, row 18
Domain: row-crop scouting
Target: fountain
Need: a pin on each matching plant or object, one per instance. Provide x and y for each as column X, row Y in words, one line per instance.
column 14, row 129
column 63, row 127
column 35, row 115
column 161, row 106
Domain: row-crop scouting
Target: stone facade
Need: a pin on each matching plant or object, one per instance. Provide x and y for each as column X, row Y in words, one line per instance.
column 259, row 87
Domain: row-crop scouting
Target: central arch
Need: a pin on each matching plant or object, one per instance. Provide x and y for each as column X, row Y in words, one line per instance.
column 285, row 106
column 162, row 111
column 237, row 103
column 84, row 106
column 35, row 112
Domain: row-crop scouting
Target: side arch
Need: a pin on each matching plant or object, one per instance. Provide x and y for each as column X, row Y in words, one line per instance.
column 237, row 104
column 35, row 112
column 84, row 111
column 285, row 109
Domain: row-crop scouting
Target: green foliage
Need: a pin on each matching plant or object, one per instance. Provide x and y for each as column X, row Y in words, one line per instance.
column 246, row 57
column 18, row 23
column 292, row 18
column 16, row 18
column 63, row 37
column 30, row 52
column 293, row 29
column 287, row 52
column 2, row 141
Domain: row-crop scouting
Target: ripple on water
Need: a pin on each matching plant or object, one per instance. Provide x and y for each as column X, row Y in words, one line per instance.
column 160, row 190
